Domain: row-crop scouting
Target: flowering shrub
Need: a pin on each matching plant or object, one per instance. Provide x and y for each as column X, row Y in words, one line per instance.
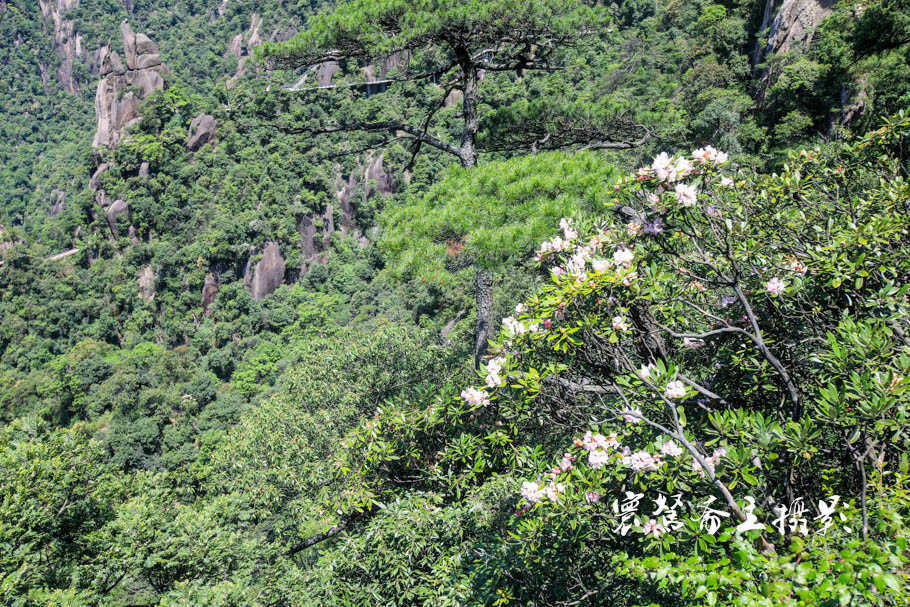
column 707, row 400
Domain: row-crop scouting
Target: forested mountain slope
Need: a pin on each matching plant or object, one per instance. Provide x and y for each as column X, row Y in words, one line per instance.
column 242, row 272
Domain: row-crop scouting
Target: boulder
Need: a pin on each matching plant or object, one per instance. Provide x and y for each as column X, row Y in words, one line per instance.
column 118, row 208
column 202, row 131
column 144, row 170
column 145, row 46
column 146, row 279
column 144, row 62
column 209, row 292
column 93, row 181
column 269, row 272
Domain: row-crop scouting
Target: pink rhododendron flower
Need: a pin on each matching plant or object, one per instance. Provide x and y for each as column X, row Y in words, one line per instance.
column 655, row 227
column 600, row 265
column 726, row 182
column 494, row 370
column 642, row 461
column 476, row 397
column 691, row 342
column 645, row 371
column 675, row 389
column 568, row 231
column 597, row 458
column 662, row 166
column 775, row 286
column 798, row 266
column 515, row 327
column 554, row 490
column 592, row 497
column 682, row 168
column 652, row 527
column 566, row 464
column 632, row 416
column 620, row 324
column 671, row 448
column 687, row 195
column 531, row 492
column 623, row 257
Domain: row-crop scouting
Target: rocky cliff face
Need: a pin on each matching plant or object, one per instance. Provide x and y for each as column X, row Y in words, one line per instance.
column 68, row 41
column 122, row 87
column 268, row 273
column 788, row 23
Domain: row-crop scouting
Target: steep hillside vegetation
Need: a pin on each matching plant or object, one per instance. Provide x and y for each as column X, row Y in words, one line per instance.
column 251, row 255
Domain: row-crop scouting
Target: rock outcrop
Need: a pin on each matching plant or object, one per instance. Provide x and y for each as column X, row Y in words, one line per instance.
column 146, row 280
column 122, row 87
column 368, row 179
column 268, row 273
column 202, row 131
column 790, row 22
column 242, row 45
column 68, row 41
column 371, row 177
column 118, row 208
column 210, row 290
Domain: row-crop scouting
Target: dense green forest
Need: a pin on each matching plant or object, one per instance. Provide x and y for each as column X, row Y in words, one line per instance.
column 454, row 302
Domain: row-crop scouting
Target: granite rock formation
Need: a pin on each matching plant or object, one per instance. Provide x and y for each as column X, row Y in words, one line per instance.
column 268, row 273
column 122, row 87
column 202, row 130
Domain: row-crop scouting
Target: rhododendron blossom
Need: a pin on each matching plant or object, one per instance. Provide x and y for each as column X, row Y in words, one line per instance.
column 681, row 169
column 710, row 461
column 798, row 266
column 652, row 527
column 494, row 370
column 675, row 389
column 687, row 195
column 554, row 490
column 632, row 416
column 671, row 448
column 655, row 227
column 597, row 458
column 600, row 265
column 620, row 324
column 726, row 182
column 662, row 166
column 531, row 492
column 598, row 441
column 515, row 327
column 565, row 224
column 775, row 286
column 592, row 497
column 623, row 257
column 691, row 342
column 642, row 461
column 476, row 397
column 645, row 371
